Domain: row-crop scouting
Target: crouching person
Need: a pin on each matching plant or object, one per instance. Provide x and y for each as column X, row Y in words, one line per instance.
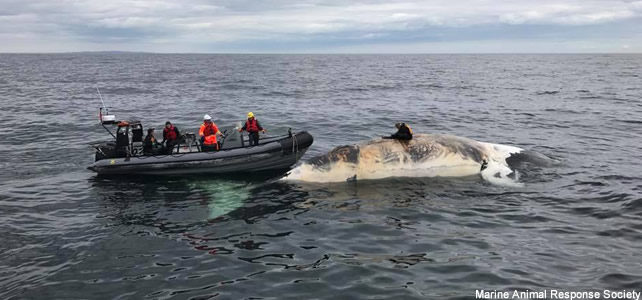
column 209, row 133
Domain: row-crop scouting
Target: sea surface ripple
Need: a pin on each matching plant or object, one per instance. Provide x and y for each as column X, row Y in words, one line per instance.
column 67, row 234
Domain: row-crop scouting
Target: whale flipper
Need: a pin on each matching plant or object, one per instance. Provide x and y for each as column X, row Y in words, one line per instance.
column 484, row 165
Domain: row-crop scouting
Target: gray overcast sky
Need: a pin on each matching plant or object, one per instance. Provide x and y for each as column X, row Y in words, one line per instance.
column 328, row 26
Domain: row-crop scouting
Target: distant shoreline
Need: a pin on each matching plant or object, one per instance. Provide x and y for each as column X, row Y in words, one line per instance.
column 322, row 53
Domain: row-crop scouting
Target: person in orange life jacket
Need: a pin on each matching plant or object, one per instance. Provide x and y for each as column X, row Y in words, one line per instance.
column 170, row 137
column 208, row 133
column 252, row 127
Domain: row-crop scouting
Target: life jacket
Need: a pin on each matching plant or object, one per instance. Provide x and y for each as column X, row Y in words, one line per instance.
column 209, row 132
column 252, row 125
column 170, row 133
column 148, row 143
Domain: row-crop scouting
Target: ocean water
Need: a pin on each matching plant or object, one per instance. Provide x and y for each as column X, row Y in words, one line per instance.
column 575, row 225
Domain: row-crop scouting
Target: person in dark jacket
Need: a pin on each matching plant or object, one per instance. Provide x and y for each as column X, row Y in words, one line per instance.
column 170, row 137
column 149, row 143
column 403, row 133
column 252, row 127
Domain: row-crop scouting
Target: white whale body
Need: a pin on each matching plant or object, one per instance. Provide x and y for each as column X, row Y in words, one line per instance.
column 426, row 155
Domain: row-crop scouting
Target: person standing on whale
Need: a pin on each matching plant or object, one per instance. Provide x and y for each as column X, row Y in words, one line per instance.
column 403, row 133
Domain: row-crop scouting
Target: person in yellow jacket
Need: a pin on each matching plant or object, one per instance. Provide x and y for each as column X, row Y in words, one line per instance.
column 209, row 132
column 252, row 126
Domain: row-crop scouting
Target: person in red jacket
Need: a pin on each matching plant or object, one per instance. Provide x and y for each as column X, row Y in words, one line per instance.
column 208, row 133
column 252, row 127
column 170, row 137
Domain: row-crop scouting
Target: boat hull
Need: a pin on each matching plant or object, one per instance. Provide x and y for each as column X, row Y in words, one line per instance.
column 273, row 156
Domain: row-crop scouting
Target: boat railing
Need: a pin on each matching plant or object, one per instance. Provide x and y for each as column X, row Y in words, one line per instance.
column 263, row 140
column 188, row 143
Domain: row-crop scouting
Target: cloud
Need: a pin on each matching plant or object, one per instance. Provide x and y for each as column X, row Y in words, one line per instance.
column 204, row 25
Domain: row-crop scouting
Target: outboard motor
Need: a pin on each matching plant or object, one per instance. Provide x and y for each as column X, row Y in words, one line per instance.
column 137, row 139
column 124, row 146
column 122, row 139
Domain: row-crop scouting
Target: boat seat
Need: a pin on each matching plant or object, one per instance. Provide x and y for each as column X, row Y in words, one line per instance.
column 190, row 141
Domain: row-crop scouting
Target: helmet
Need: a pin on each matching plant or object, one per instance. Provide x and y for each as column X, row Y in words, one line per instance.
column 250, row 115
column 207, row 117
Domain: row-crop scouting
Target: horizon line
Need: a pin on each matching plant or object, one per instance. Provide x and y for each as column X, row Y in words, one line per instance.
column 317, row 53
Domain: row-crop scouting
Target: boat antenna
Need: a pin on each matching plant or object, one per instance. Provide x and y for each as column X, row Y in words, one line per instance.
column 106, row 118
column 101, row 98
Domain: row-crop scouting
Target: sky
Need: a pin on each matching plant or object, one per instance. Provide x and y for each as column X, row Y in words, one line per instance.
column 322, row 26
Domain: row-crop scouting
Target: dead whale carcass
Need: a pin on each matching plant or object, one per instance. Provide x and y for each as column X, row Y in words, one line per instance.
column 426, row 155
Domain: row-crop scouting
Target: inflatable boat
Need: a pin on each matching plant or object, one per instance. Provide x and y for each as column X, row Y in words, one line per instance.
column 125, row 156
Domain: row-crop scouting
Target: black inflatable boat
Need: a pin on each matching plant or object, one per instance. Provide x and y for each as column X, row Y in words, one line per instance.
column 124, row 156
